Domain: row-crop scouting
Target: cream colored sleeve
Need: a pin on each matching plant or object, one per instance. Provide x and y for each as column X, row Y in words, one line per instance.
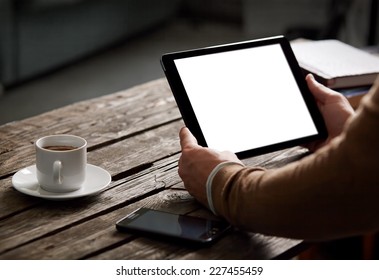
column 329, row 194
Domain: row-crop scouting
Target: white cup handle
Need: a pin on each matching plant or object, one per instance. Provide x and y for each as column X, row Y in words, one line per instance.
column 57, row 168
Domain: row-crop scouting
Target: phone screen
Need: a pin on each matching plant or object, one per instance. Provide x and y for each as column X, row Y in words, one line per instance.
column 162, row 223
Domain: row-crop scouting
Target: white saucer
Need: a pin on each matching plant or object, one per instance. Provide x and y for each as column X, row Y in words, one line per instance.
column 25, row 181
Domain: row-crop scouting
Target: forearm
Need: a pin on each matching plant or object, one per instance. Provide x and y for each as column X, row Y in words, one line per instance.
column 287, row 202
column 329, row 194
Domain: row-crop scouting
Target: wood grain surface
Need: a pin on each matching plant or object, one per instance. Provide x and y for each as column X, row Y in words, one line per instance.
column 134, row 135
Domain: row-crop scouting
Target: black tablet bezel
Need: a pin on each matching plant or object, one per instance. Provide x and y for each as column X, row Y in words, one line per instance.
column 187, row 112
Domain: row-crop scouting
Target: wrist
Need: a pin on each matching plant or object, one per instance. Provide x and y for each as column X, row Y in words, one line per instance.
column 210, row 178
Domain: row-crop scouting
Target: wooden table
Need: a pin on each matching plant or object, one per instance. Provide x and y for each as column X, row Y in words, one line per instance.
column 134, row 135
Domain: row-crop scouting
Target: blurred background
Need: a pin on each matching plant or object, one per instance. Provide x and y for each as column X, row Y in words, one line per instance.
column 56, row 52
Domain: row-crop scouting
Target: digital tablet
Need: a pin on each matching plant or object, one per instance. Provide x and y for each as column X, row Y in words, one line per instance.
column 249, row 97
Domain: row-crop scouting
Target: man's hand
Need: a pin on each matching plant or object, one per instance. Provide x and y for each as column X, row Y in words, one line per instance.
column 334, row 107
column 196, row 163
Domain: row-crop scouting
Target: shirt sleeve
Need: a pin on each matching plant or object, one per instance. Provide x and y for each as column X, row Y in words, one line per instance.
column 329, row 194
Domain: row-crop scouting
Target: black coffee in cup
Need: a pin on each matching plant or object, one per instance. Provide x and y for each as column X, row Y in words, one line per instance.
column 60, row 148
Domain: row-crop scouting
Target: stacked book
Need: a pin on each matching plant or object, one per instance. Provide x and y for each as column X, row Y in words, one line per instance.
column 337, row 65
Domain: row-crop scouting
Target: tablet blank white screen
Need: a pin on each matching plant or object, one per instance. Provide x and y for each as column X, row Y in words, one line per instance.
column 245, row 99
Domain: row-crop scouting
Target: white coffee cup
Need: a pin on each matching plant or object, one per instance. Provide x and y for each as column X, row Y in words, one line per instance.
column 61, row 162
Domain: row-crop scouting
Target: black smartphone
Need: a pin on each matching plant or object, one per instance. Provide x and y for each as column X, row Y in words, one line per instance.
column 155, row 223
